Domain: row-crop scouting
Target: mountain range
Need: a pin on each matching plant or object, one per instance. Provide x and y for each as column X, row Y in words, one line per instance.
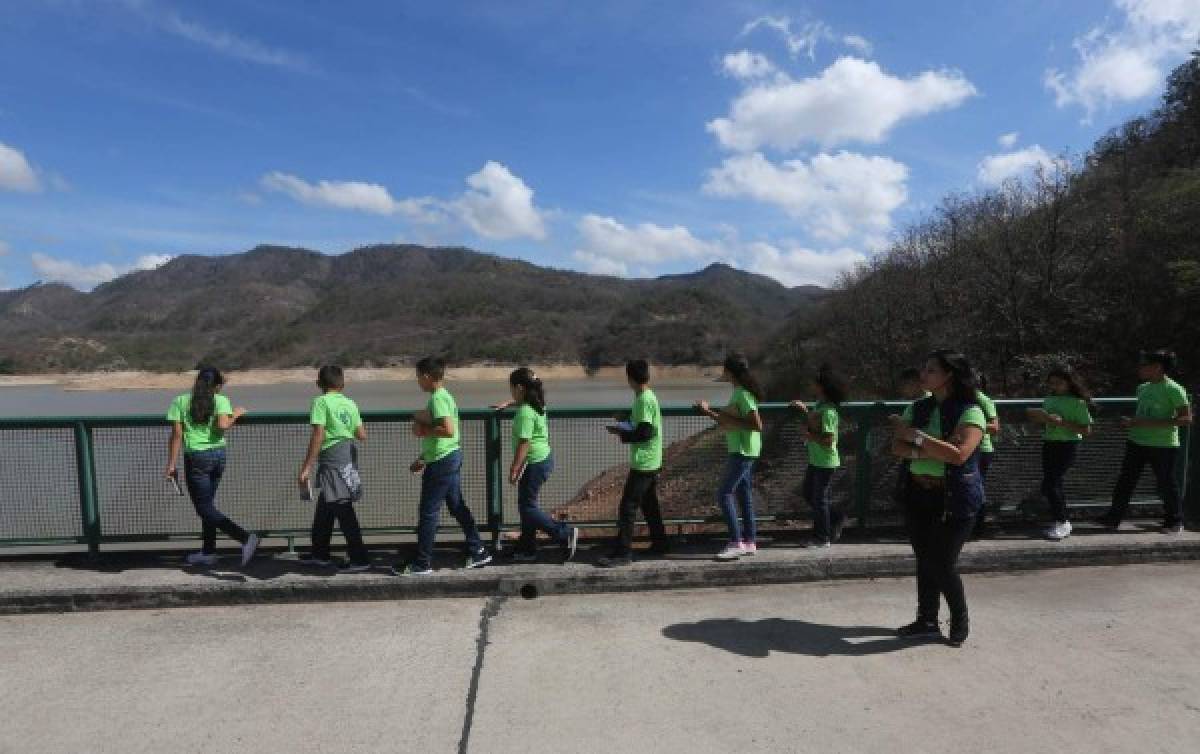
column 383, row 305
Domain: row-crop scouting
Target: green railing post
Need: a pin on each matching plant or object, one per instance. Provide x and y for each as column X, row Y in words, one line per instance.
column 495, row 478
column 862, row 466
column 89, row 511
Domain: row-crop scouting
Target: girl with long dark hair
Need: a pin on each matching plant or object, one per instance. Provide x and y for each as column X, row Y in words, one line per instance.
column 743, row 439
column 532, row 465
column 821, row 423
column 199, row 421
column 1066, row 418
column 940, row 437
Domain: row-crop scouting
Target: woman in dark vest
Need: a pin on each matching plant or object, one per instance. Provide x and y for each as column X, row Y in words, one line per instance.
column 940, row 437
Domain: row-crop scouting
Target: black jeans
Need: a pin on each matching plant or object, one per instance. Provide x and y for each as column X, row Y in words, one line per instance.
column 641, row 491
column 937, row 542
column 202, row 471
column 322, row 531
column 985, row 463
column 1057, row 459
column 816, row 493
column 1162, row 462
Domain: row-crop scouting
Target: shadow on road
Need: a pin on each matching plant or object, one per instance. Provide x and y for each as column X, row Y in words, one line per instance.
column 760, row 638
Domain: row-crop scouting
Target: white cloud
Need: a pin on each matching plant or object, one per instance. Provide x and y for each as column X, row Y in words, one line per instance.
column 851, row 100
column 858, row 43
column 352, row 195
column 233, row 46
column 88, row 276
column 1127, row 62
column 745, row 65
column 796, row 265
column 16, row 174
column 998, row 168
column 1008, row 140
column 608, row 245
column 804, row 40
column 837, row 196
column 499, row 205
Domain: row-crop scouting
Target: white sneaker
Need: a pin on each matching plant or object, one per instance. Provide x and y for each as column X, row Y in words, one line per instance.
column 200, row 559
column 732, row 551
column 1059, row 531
column 249, row 548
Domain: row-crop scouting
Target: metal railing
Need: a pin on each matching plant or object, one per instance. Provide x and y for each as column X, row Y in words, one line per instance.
column 99, row 480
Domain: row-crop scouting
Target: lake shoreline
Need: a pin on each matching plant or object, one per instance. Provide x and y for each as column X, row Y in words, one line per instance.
column 139, row 380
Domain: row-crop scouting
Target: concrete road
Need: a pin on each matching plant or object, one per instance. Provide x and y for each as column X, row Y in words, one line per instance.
column 1081, row 660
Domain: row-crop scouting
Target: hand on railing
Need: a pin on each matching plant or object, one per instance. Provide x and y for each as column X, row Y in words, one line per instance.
column 501, row 405
column 800, row 406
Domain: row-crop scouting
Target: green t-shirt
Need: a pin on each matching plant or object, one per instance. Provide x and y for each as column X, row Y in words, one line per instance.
column 337, row 414
column 441, row 405
column 825, row 457
column 197, row 437
column 989, row 413
column 528, row 424
column 1071, row 409
column 743, row 442
column 1159, row 401
column 973, row 416
column 647, row 455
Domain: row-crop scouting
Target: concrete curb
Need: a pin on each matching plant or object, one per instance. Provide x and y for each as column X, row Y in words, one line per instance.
column 532, row 581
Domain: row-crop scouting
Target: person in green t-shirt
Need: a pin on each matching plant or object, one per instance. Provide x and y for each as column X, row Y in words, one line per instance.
column 199, row 421
column 1162, row 408
column 531, row 466
column 987, row 451
column 821, row 425
column 742, row 425
column 336, row 425
column 940, row 437
column 440, row 466
column 642, row 432
column 1065, row 415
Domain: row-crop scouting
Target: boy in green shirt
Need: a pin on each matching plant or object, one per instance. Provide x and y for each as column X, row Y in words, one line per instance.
column 440, row 466
column 1162, row 408
column 336, row 424
column 643, row 435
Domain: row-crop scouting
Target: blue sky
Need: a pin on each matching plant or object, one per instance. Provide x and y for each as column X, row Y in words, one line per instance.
column 622, row 137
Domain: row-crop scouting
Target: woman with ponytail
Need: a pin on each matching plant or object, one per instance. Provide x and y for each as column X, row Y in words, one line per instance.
column 199, row 421
column 742, row 425
column 531, row 466
column 1067, row 420
column 821, row 424
column 940, row 437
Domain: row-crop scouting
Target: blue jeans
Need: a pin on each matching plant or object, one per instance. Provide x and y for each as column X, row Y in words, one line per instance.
column 816, row 491
column 442, row 482
column 737, row 485
column 202, row 472
column 534, row 518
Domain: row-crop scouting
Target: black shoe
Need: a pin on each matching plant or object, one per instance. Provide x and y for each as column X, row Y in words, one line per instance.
column 615, row 560
column 1109, row 521
column 478, row 559
column 920, row 629
column 659, row 548
column 1172, row 528
column 958, row 632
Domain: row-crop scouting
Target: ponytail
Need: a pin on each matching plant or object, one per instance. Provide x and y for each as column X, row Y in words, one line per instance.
column 831, row 385
column 535, row 392
column 738, row 367
column 203, row 403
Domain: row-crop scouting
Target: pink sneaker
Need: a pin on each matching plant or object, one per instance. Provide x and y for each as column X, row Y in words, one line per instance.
column 749, row 548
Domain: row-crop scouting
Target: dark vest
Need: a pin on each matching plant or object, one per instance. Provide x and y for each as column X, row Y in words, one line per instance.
column 964, row 484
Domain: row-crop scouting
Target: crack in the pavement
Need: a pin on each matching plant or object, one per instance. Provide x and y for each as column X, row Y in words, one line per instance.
column 491, row 608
